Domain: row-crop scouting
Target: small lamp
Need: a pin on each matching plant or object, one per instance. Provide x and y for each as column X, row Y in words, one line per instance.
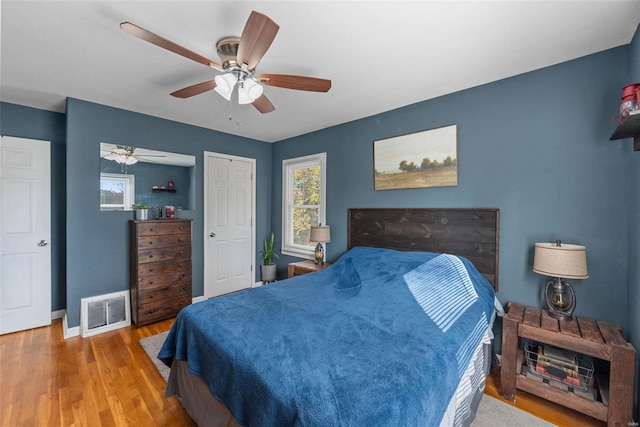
column 320, row 234
column 560, row 261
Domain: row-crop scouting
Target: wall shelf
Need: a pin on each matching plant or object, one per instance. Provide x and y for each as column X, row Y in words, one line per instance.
column 163, row 190
column 629, row 128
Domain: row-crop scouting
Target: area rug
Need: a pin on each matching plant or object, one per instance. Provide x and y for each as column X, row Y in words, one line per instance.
column 491, row 412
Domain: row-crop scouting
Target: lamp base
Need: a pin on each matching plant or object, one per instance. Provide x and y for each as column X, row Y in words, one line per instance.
column 319, row 254
column 560, row 299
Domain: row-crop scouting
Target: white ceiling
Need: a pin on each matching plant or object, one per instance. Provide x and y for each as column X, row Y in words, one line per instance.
column 380, row 55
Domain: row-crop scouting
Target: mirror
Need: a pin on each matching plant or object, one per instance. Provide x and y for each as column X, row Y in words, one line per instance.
column 130, row 175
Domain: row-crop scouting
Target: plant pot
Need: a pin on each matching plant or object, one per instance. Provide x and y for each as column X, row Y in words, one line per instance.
column 142, row 214
column 268, row 272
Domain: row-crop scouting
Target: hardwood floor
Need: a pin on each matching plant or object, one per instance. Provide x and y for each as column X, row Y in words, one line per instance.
column 105, row 380
column 108, row 380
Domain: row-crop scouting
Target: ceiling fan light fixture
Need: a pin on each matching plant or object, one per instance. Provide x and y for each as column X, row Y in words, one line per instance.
column 249, row 91
column 225, row 84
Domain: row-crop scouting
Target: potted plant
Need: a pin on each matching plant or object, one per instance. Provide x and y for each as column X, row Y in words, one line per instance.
column 141, row 210
column 268, row 268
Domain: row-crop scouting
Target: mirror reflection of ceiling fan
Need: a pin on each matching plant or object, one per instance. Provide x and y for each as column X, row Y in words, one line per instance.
column 125, row 156
column 239, row 57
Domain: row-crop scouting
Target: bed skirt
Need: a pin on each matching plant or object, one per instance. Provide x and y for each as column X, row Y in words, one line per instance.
column 207, row 411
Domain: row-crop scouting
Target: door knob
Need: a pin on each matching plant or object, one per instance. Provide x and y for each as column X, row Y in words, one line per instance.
column 43, row 243
column 212, row 234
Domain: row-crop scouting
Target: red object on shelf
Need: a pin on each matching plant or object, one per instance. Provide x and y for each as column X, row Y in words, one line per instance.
column 170, row 184
column 629, row 92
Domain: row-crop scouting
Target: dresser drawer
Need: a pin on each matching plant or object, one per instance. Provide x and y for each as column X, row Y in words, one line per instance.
column 163, row 254
column 156, row 228
column 154, row 311
column 162, row 267
column 163, row 241
column 162, row 280
column 164, row 293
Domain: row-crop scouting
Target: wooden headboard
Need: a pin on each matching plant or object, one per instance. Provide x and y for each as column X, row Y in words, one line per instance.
column 471, row 233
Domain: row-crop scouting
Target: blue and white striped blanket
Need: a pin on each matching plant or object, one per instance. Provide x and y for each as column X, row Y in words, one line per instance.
column 347, row 346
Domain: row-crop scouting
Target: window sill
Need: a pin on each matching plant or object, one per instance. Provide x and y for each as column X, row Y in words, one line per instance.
column 298, row 253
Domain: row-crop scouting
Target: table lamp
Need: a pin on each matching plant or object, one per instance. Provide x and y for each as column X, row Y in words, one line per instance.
column 560, row 261
column 320, row 234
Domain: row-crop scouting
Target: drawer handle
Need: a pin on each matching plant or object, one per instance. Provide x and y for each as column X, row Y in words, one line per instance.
column 151, row 243
column 181, row 228
column 181, row 240
column 151, row 282
column 181, row 276
column 180, row 253
column 150, row 256
column 151, row 270
column 180, row 265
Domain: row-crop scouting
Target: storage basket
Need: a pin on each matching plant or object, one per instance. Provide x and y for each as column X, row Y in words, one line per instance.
column 574, row 371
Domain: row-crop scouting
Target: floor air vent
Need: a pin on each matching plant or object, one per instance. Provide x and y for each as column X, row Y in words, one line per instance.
column 104, row 313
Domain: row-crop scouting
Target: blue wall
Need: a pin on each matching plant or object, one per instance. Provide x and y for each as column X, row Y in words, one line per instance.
column 25, row 122
column 634, row 231
column 535, row 145
column 97, row 242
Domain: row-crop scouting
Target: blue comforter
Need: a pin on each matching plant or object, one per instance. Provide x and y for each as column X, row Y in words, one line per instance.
column 350, row 345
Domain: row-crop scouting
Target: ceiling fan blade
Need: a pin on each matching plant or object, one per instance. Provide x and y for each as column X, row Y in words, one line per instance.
column 257, row 36
column 196, row 89
column 263, row 104
column 153, row 38
column 312, row 84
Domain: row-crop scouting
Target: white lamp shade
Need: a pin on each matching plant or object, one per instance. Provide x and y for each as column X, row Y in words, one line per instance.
column 565, row 261
column 320, row 234
column 130, row 160
column 249, row 92
column 225, row 84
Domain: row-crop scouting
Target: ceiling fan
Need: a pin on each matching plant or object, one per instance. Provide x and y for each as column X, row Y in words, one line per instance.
column 125, row 156
column 239, row 57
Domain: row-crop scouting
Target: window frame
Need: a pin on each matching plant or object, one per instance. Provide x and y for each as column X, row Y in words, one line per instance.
column 288, row 166
column 129, row 191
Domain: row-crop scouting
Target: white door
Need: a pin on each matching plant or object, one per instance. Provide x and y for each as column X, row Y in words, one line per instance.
column 25, row 232
column 229, row 247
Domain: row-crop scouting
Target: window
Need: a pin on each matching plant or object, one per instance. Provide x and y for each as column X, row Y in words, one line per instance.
column 117, row 191
column 303, row 202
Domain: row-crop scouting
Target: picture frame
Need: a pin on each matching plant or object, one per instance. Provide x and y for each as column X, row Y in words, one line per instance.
column 422, row 159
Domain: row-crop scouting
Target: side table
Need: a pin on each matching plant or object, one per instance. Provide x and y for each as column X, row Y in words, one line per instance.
column 304, row 267
column 598, row 339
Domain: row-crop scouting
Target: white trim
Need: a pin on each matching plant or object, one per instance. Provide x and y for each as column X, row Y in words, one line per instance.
column 68, row 332
column 58, row 314
column 301, row 162
column 206, row 155
column 257, row 284
column 129, row 190
column 198, row 299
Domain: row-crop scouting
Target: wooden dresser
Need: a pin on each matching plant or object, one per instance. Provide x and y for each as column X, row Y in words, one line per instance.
column 160, row 253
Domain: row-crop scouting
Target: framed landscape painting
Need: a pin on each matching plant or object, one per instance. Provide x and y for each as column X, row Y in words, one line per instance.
column 417, row 160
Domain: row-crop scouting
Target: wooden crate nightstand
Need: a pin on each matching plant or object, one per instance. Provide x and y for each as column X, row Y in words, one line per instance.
column 598, row 339
column 304, row 267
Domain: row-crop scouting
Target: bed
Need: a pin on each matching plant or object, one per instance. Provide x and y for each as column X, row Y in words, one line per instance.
column 396, row 332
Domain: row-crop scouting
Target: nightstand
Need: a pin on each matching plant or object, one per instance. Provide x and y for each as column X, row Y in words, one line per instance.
column 304, row 267
column 598, row 339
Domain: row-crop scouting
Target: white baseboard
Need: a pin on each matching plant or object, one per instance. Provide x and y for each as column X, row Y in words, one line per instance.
column 58, row 314
column 198, row 299
column 255, row 285
column 68, row 332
